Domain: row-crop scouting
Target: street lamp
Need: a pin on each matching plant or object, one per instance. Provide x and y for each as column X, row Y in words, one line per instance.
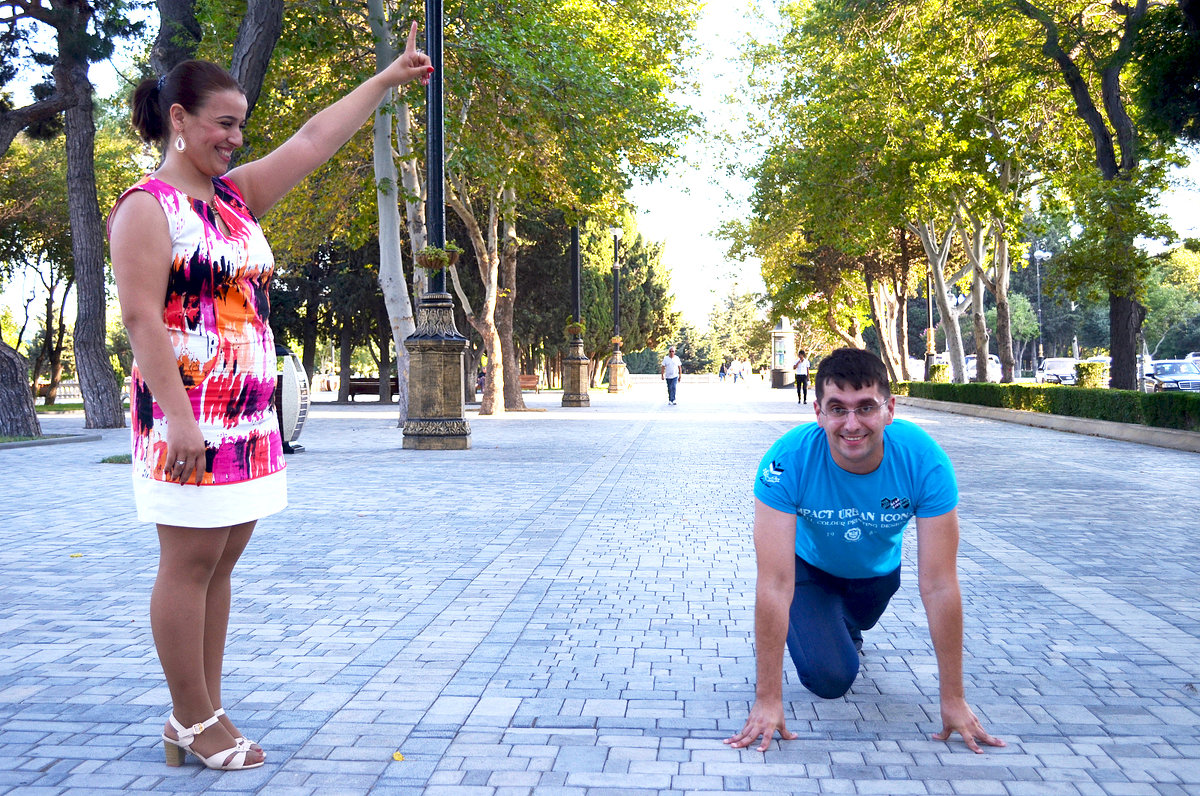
column 1037, row 257
column 436, row 419
column 616, row 366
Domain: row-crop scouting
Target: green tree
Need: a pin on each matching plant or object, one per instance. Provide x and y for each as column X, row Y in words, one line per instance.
column 739, row 328
column 1173, row 296
column 83, row 33
column 648, row 318
column 1167, row 82
column 1093, row 49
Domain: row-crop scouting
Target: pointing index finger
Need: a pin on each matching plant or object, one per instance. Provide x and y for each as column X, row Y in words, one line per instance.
column 410, row 47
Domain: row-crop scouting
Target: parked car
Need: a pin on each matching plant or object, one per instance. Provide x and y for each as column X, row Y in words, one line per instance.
column 1194, row 357
column 1173, row 374
column 993, row 367
column 1056, row 370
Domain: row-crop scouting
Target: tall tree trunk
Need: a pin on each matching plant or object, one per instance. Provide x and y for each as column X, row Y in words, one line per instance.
column 18, row 411
column 392, row 281
column 56, row 349
column 256, row 38
column 308, row 342
column 42, row 357
column 345, row 363
column 1114, row 159
column 385, row 353
column 487, row 258
column 179, row 34
column 1000, row 283
column 902, row 302
column 937, row 253
column 975, row 242
column 97, row 381
column 506, row 301
column 979, row 326
column 879, row 301
column 1125, row 318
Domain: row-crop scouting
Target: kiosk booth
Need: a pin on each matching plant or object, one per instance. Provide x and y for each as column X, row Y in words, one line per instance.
column 291, row 397
column 783, row 354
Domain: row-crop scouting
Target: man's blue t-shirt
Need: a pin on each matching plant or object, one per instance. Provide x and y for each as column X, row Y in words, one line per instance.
column 852, row 525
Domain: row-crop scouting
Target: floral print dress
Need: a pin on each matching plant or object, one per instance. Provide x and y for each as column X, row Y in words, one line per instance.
column 216, row 311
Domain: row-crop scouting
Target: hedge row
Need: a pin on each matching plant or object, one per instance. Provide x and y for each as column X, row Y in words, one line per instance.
column 1179, row 410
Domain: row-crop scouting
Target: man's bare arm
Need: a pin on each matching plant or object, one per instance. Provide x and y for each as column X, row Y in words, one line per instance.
column 937, row 571
column 775, row 552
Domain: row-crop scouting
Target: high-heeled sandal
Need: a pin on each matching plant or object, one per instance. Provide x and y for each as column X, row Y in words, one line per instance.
column 242, row 742
column 233, row 759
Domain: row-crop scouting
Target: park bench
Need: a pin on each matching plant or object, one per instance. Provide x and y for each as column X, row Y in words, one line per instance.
column 531, row 381
column 365, row 385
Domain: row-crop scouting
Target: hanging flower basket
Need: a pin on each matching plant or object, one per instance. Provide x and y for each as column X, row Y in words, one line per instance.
column 434, row 259
column 574, row 328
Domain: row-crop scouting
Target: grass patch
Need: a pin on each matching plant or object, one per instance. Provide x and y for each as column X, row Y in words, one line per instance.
column 4, row 439
column 120, row 458
column 73, row 406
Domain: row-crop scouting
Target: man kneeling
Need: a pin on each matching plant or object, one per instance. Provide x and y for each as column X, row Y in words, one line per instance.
column 831, row 504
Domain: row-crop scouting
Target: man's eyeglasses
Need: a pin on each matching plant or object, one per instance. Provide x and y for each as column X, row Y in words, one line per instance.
column 863, row 412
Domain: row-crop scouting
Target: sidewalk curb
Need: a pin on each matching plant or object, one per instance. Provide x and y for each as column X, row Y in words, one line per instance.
column 56, row 439
column 1124, row 432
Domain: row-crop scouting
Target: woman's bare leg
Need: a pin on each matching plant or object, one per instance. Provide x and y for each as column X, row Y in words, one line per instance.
column 188, row 560
column 216, row 619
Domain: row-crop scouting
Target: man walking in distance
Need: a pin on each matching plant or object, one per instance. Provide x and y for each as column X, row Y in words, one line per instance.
column 801, row 371
column 831, row 504
column 672, row 369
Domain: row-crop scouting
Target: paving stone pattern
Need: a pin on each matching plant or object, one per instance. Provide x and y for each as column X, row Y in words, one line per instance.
column 566, row 608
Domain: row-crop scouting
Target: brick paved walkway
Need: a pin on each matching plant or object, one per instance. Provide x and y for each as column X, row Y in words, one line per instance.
column 567, row 608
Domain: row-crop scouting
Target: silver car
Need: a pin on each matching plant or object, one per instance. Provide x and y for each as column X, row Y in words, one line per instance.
column 1056, row 370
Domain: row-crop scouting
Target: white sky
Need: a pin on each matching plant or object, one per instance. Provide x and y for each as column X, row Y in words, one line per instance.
column 685, row 209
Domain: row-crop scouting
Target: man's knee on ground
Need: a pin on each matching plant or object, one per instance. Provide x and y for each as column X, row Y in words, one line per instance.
column 832, row 683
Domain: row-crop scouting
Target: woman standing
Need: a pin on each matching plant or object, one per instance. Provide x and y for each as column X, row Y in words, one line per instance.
column 192, row 269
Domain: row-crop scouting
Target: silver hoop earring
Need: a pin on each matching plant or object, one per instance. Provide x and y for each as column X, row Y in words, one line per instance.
column 179, row 144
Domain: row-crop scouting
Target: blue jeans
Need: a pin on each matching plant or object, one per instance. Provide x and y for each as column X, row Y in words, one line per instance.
column 828, row 614
column 671, row 388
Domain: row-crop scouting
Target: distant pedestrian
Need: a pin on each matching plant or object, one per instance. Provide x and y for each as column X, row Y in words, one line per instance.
column 801, row 369
column 831, row 502
column 721, row 372
column 192, row 268
column 672, row 369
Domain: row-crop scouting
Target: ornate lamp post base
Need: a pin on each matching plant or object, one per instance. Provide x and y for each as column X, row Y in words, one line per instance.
column 435, row 389
column 616, row 373
column 576, row 376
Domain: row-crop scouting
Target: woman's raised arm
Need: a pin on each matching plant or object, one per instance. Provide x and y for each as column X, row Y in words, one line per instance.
column 265, row 181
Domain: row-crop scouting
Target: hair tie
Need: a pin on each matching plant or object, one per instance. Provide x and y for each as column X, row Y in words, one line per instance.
column 162, row 81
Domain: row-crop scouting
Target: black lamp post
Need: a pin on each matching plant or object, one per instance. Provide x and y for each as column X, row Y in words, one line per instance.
column 436, row 418
column 576, row 365
column 616, row 365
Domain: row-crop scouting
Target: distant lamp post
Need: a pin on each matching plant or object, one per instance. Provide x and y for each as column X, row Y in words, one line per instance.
column 576, row 366
column 616, row 365
column 1038, row 257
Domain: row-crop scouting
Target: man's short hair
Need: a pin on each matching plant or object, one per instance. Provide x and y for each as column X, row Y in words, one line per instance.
column 854, row 369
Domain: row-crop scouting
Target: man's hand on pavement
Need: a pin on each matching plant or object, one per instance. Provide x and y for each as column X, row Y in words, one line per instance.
column 764, row 720
column 957, row 717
